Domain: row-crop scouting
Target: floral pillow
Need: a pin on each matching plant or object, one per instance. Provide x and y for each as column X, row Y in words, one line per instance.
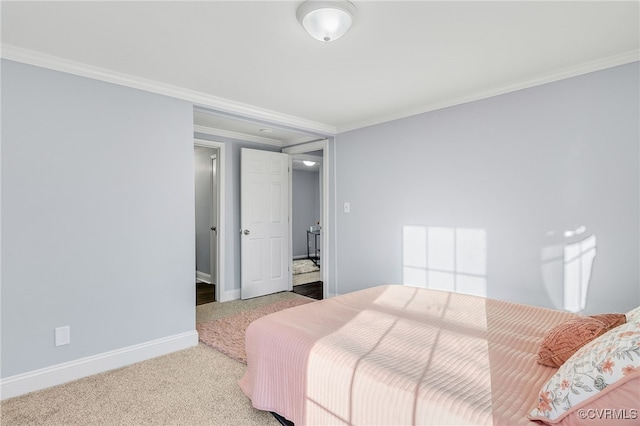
column 599, row 367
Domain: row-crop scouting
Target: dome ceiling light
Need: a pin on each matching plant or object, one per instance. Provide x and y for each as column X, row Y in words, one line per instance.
column 326, row 20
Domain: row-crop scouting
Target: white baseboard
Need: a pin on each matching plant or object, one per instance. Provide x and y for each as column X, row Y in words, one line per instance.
column 229, row 295
column 73, row 370
column 201, row 276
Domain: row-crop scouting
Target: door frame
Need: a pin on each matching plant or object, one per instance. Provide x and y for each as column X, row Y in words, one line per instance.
column 221, row 293
column 214, row 220
column 326, row 223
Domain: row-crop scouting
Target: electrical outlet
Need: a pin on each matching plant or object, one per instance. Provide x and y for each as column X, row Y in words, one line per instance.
column 63, row 335
column 347, row 207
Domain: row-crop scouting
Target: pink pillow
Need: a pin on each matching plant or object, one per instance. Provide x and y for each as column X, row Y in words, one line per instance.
column 565, row 339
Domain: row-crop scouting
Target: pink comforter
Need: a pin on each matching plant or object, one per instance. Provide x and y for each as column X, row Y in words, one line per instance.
column 399, row 355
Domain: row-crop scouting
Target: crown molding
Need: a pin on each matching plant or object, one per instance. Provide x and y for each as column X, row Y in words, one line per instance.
column 31, row 57
column 235, row 135
column 200, row 99
column 564, row 73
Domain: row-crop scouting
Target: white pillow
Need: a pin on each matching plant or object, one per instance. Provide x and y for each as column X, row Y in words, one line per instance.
column 633, row 315
column 601, row 366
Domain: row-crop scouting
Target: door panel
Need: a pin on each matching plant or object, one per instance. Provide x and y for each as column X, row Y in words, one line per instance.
column 264, row 219
column 276, row 248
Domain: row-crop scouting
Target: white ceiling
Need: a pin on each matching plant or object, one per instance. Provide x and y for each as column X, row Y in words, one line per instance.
column 254, row 59
column 299, row 159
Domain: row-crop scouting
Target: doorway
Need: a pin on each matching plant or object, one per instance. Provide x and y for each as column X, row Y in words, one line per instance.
column 318, row 234
column 306, row 218
column 209, row 220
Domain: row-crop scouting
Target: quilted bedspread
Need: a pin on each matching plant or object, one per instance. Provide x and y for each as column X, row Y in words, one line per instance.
column 399, row 355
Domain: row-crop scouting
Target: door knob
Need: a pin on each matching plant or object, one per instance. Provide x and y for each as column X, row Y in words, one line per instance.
column 246, row 232
column 213, row 228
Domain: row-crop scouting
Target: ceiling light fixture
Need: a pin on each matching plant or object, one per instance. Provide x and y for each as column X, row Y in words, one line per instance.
column 309, row 163
column 326, row 20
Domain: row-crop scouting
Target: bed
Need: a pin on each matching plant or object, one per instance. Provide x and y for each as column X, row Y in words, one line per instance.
column 399, row 355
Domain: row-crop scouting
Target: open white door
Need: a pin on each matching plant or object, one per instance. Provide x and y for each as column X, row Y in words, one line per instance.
column 264, row 218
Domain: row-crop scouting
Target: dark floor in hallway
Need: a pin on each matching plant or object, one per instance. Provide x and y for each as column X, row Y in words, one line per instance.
column 205, row 293
column 313, row 290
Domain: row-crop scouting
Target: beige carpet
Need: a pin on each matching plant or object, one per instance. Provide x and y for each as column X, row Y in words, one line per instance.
column 196, row 386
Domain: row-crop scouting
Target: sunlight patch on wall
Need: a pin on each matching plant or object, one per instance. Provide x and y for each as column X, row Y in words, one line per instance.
column 566, row 271
column 450, row 259
column 578, row 259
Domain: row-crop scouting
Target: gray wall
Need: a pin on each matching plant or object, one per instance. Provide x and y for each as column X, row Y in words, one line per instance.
column 97, row 217
column 524, row 167
column 204, row 205
column 305, row 208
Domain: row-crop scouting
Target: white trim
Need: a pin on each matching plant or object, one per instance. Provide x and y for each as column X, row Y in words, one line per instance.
column 234, row 135
column 31, row 57
column 222, row 208
column 336, row 284
column 205, row 278
column 231, row 295
column 326, row 219
column 306, row 147
column 574, row 71
column 290, row 220
column 83, row 367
